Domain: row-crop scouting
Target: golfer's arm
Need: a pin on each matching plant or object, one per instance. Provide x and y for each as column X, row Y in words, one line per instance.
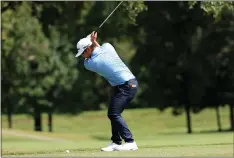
column 96, row 44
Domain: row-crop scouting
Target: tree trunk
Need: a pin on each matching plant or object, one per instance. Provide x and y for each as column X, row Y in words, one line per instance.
column 50, row 121
column 37, row 119
column 185, row 86
column 231, row 117
column 9, row 115
column 218, row 119
column 188, row 118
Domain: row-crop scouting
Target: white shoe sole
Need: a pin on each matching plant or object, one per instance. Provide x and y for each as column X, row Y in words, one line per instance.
column 133, row 149
column 106, row 150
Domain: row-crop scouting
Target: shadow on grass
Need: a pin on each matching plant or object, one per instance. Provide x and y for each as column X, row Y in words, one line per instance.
column 100, row 138
column 197, row 132
column 215, row 131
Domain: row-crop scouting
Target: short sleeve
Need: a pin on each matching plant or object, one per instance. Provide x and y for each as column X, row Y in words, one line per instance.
column 86, row 64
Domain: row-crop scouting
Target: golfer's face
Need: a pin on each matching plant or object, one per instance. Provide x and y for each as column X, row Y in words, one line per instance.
column 86, row 53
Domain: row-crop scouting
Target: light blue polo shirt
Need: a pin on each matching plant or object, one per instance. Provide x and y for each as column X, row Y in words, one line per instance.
column 106, row 62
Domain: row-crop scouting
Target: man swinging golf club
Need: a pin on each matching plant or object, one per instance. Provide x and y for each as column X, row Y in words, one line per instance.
column 105, row 61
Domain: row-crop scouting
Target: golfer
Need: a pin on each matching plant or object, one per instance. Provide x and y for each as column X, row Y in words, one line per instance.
column 105, row 61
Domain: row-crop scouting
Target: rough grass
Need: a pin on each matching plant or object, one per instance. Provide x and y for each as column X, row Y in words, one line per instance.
column 157, row 134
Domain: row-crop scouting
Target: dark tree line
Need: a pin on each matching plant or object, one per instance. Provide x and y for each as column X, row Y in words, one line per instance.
column 181, row 52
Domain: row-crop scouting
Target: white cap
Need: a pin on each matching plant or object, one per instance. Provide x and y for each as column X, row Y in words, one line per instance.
column 82, row 45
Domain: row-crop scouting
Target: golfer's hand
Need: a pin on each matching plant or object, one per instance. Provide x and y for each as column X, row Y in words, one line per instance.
column 94, row 36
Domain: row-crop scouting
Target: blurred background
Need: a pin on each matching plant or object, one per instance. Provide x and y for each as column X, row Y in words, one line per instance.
column 182, row 54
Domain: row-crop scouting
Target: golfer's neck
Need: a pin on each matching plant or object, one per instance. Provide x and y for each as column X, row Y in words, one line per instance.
column 92, row 49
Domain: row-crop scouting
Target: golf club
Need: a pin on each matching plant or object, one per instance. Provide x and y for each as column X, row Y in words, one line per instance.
column 108, row 17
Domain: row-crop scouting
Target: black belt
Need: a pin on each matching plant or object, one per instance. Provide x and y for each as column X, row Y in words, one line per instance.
column 126, row 83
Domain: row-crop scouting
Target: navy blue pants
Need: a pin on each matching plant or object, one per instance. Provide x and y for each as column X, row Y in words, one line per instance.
column 123, row 94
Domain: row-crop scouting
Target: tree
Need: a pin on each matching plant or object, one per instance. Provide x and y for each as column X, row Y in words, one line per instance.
column 176, row 40
column 17, row 49
column 41, row 69
column 214, row 8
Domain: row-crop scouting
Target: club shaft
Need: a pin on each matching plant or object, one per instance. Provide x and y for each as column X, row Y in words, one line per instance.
column 109, row 16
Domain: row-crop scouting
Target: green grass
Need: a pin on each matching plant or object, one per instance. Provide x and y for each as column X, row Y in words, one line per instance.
column 157, row 134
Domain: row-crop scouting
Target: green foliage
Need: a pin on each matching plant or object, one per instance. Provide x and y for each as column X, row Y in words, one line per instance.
column 35, row 68
column 214, row 8
column 23, row 42
column 161, row 42
column 182, row 56
column 132, row 9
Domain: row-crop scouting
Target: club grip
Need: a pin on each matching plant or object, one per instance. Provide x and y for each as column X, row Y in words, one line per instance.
column 97, row 30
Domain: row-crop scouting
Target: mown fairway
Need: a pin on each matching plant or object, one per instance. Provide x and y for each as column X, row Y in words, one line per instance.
column 157, row 134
